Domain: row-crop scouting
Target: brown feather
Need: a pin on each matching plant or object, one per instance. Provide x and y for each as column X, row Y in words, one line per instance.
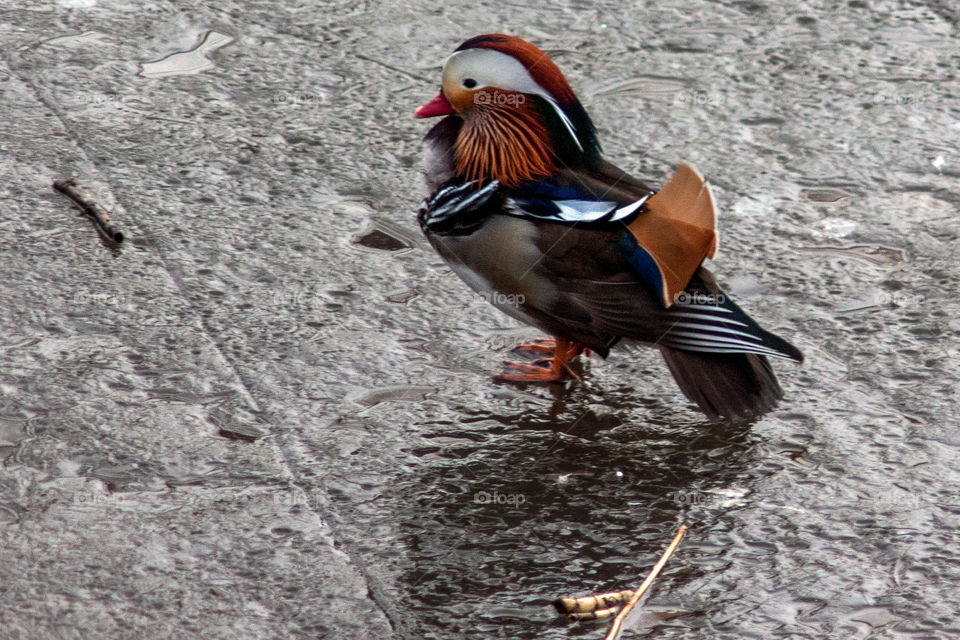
column 505, row 141
column 679, row 230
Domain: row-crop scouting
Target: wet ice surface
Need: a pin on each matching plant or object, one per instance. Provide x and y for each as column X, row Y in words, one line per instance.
column 266, row 415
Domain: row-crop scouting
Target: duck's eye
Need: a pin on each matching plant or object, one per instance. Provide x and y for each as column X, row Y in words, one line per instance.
column 469, row 83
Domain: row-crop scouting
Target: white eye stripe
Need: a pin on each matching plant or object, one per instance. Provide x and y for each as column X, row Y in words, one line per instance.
column 491, row 68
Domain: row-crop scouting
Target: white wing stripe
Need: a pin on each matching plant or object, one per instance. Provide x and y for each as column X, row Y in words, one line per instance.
column 583, row 210
column 625, row 211
column 701, row 316
column 704, row 327
column 707, row 345
column 719, row 339
column 705, row 307
column 772, row 354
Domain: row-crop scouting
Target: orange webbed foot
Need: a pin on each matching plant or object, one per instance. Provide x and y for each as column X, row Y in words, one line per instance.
column 553, row 369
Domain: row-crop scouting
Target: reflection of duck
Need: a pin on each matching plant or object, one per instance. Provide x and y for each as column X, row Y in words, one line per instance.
column 527, row 213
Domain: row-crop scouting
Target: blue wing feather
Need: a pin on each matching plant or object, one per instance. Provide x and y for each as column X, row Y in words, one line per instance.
column 642, row 262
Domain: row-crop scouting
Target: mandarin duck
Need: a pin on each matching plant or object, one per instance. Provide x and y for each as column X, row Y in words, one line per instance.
column 527, row 213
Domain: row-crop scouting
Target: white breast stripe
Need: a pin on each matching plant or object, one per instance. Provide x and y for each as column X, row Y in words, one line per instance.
column 444, row 191
column 465, row 203
column 482, row 193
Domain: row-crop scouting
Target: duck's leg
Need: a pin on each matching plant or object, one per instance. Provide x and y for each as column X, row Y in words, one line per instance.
column 547, row 345
column 552, row 369
column 539, row 345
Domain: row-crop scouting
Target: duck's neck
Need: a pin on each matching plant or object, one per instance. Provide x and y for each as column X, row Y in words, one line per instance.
column 505, row 142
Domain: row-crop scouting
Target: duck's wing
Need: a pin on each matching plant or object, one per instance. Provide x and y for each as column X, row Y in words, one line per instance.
column 598, row 291
column 673, row 230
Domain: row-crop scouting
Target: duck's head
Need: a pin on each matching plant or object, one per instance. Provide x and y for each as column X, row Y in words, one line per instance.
column 521, row 119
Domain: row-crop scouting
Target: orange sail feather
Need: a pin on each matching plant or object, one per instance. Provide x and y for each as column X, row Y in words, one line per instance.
column 678, row 230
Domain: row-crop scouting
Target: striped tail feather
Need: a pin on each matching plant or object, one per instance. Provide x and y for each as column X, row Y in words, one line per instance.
column 719, row 356
column 721, row 327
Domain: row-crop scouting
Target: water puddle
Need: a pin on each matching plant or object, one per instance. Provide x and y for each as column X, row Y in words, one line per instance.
column 188, row 62
column 393, row 393
column 246, row 433
column 382, row 237
column 115, row 477
column 402, row 296
column 380, row 240
column 763, row 120
column 11, row 430
column 825, row 194
column 85, row 39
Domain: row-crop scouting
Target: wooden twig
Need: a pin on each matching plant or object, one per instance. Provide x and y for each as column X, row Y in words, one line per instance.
column 85, row 201
column 596, row 614
column 592, row 603
column 618, row 621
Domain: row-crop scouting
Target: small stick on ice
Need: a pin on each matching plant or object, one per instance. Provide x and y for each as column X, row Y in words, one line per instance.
column 618, row 621
column 85, row 201
column 587, row 604
column 596, row 614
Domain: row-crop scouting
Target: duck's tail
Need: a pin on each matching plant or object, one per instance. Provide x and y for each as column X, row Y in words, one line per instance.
column 735, row 386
